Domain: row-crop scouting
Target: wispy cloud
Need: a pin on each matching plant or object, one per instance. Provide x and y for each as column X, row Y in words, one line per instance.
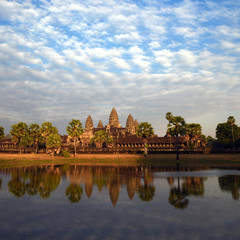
column 60, row 60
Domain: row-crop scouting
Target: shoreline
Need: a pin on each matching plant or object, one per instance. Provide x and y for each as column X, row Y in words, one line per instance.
column 209, row 160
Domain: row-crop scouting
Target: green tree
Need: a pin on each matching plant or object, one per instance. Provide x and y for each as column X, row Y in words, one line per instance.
column 54, row 142
column 26, row 141
column 144, row 131
column 194, row 131
column 224, row 133
column 19, row 132
column 46, row 130
column 211, row 141
column 75, row 130
column 177, row 126
column 35, row 135
column 100, row 137
column 2, row 135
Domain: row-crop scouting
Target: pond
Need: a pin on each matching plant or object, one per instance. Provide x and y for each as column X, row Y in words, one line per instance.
column 104, row 202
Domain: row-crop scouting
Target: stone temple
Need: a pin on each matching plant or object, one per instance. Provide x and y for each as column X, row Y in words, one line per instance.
column 113, row 128
column 125, row 139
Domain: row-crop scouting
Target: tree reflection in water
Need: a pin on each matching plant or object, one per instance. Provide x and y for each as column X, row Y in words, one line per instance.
column 16, row 187
column 230, row 184
column 146, row 192
column 74, row 193
column 43, row 180
column 177, row 197
column 191, row 186
column 33, row 181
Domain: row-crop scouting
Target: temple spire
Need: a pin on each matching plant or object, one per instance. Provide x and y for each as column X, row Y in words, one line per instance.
column 113, row 119
column 130, row 125
column 100, row 124
column 89, row 124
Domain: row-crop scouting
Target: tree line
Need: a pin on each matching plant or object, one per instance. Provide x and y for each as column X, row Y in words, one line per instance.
column 35, row 135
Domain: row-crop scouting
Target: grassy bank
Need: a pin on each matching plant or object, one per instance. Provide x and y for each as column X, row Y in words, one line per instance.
column 11, row 160
column 209, row 160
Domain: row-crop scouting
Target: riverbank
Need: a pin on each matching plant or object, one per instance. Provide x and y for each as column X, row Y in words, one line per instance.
column 209, row 160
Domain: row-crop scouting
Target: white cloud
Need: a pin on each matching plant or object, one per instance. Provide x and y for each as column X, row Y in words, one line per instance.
column 154, row 45
column 97, row 54
column 228, row 31
column 121, row 63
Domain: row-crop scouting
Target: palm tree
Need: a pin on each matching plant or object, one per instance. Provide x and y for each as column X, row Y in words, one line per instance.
column 231, row 122
column 75, row 130
column 194, row 131
column 100, row 137
column 145, row 130
column 177, row 126
column 19, row 132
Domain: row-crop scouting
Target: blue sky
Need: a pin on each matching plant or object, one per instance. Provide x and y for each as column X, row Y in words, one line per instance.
column 67, row 59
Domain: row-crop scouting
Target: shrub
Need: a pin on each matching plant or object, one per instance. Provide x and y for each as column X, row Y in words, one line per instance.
column 65, row 154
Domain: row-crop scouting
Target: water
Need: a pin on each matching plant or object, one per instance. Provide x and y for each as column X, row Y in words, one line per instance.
column 89, row 202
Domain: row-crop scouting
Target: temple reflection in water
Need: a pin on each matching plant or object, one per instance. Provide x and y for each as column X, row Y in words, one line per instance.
column 138, row 182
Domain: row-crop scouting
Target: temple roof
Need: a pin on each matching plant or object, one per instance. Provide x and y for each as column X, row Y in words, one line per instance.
column 89, row 123
column 113, row 119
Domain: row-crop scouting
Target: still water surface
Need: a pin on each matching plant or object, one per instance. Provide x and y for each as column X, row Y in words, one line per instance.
column 95, row 202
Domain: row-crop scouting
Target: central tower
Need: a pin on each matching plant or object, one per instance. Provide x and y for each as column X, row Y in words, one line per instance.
column 113, row 119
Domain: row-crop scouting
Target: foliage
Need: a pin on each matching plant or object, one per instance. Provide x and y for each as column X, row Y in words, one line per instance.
column 2, row 135
column 20, row 133
column 176, row 125
column 75, row 130
column 211, row 141
column 100, row 137
column 65, row 154
column 231, row 121
column 194, row 131
column 35, row 135
column 54, row 141
column 145, row 130
column 225, row 134
column 47, row 128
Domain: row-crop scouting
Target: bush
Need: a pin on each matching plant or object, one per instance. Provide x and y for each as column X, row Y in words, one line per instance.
column 65, row 154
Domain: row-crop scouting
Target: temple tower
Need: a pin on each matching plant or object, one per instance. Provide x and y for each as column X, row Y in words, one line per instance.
column 113, row 119
column 130, row 124
column 136, row 125
column 100, row 124
column 89, row 124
